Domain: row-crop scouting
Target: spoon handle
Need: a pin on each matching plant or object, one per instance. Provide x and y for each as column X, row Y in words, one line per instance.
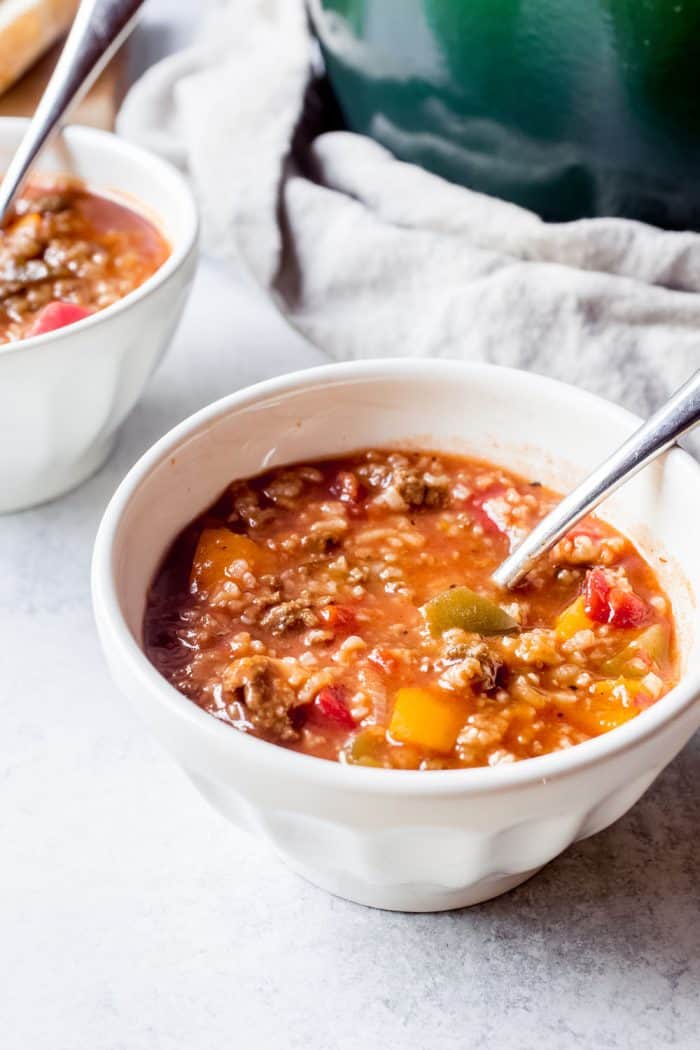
column 99, row 29
column 676, row 417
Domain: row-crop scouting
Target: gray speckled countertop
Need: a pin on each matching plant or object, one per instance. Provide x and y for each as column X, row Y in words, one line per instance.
column 133, row 918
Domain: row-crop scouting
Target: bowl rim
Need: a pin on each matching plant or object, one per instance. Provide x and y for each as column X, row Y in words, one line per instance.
column 180, row 249
column 117, row 638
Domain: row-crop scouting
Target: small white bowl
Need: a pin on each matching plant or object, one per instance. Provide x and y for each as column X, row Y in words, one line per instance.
column 64, row 395
column 415, row 841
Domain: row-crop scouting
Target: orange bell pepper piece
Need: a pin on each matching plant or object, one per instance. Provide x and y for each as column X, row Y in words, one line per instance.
column 216, row 550
column 608, row 706
column 426, row 720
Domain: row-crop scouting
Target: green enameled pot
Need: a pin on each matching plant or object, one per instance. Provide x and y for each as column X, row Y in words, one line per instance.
column 570, row 107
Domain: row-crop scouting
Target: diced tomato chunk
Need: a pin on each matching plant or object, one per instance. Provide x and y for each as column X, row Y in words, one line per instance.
column 478, row 507
column 383, row 658
column 339, row 618
column 595, row 596
column 348, row 488
column 330, row 706
column 57, row 315
column 605, row 602
column 627, row 609
column 587, row 527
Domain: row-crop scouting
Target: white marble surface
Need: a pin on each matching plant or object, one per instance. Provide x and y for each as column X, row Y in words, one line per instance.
column 133, row 918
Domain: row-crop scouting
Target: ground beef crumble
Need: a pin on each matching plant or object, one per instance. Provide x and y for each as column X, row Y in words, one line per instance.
column 469, row 663
column 419, row 488
column 268, row 698
column 293, row 615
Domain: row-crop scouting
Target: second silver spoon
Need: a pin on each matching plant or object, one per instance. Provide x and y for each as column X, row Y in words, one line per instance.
column 99, row 29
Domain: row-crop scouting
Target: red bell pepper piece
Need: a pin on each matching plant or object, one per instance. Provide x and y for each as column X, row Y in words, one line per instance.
column 339, row 618
column 57, row 315
column 330, row 706
column 478, row 507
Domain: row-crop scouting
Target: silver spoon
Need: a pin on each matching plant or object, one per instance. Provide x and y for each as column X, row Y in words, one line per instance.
column 669, row 423
column 99, row 29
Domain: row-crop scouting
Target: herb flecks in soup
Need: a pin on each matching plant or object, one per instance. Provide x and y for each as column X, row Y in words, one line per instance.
column 345, row 609
column 66, row 253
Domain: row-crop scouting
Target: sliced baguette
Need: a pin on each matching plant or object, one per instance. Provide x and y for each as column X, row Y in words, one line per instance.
column 27, row 29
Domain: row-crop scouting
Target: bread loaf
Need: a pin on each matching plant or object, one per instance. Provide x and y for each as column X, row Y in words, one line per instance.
column 27, row 29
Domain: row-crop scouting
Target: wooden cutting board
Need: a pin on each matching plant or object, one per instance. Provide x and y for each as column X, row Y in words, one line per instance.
column 98, row 108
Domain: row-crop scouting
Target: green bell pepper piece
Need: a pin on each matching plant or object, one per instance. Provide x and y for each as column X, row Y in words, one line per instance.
column 653, row 641
column 462, row 607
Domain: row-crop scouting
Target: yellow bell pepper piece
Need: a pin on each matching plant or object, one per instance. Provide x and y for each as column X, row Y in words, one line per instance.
column 572, row 620
column 216, row 550
column 426, row 720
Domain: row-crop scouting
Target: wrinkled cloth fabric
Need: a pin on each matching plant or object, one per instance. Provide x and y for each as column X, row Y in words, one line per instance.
column 368, row 256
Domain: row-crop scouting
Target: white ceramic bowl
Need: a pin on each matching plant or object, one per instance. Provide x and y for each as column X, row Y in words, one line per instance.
column 401, row 839
column 64, row 395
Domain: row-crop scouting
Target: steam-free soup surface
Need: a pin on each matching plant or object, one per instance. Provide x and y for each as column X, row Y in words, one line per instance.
column 344, row 608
